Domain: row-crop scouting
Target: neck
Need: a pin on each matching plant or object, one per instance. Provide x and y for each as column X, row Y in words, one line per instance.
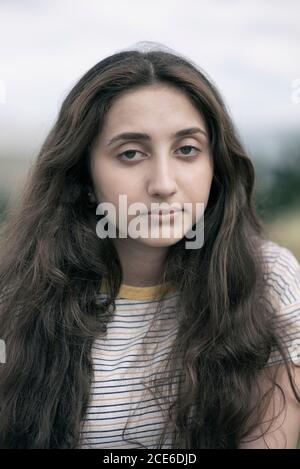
column 142, row 265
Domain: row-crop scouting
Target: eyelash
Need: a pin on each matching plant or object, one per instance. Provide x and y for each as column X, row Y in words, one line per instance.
column 137, row 151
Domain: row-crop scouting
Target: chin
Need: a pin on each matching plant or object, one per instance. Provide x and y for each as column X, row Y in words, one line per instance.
column 158, row 242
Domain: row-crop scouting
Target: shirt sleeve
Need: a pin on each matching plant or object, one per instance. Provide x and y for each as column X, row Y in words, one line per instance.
column 283, row 282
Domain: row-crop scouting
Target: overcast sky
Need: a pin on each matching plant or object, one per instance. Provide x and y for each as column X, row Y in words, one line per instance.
column 250, row 49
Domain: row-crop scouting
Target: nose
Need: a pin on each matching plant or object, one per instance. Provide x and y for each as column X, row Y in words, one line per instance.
column 161, row 178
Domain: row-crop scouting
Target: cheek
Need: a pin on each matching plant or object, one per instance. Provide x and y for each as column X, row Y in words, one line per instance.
column 198, row 183
column 109, row 183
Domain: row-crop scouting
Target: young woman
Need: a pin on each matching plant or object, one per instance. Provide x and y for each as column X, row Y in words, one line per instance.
column 132, row 342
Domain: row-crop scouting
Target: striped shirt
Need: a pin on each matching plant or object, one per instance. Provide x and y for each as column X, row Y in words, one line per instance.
column 283, row 280
column 131, row 351
column 124, row 359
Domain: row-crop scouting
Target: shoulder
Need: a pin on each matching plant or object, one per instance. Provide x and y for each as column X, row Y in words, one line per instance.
column 274, row 255
column 282, row 273
column 282, row 277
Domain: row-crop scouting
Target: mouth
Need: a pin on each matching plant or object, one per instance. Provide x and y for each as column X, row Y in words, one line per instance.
column 164, row 212
column 161, row 215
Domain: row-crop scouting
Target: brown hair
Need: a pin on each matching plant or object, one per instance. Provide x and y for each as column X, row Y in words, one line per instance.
column 52, row 263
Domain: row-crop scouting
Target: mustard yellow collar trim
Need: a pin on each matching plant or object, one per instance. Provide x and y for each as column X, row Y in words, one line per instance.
column 131, row 292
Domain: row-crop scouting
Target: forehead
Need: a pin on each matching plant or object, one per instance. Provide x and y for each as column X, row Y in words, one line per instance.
column 152, row 107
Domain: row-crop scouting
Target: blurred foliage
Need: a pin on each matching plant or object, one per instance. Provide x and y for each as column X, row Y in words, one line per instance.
column 277, row 188
column 277, row 195
column 285, row 230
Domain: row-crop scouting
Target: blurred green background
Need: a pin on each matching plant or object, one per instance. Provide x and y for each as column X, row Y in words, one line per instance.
column 277, row 194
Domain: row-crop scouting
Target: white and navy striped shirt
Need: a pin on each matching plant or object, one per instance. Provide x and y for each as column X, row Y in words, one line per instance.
column 123, row 359
column 125, row 356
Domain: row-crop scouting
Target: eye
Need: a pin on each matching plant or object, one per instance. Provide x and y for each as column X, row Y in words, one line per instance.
column 129, row 154
column 189, row 147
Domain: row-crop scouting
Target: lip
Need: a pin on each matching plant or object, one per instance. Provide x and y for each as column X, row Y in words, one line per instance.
column 164, row 216
column 164, row 212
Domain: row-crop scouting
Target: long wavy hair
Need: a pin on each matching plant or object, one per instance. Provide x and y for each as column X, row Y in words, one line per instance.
column 52, row 264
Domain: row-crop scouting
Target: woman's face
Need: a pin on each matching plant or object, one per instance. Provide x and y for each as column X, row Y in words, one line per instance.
column 160, row 167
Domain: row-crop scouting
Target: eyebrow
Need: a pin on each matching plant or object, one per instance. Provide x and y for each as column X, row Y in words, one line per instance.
column 146, row 137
